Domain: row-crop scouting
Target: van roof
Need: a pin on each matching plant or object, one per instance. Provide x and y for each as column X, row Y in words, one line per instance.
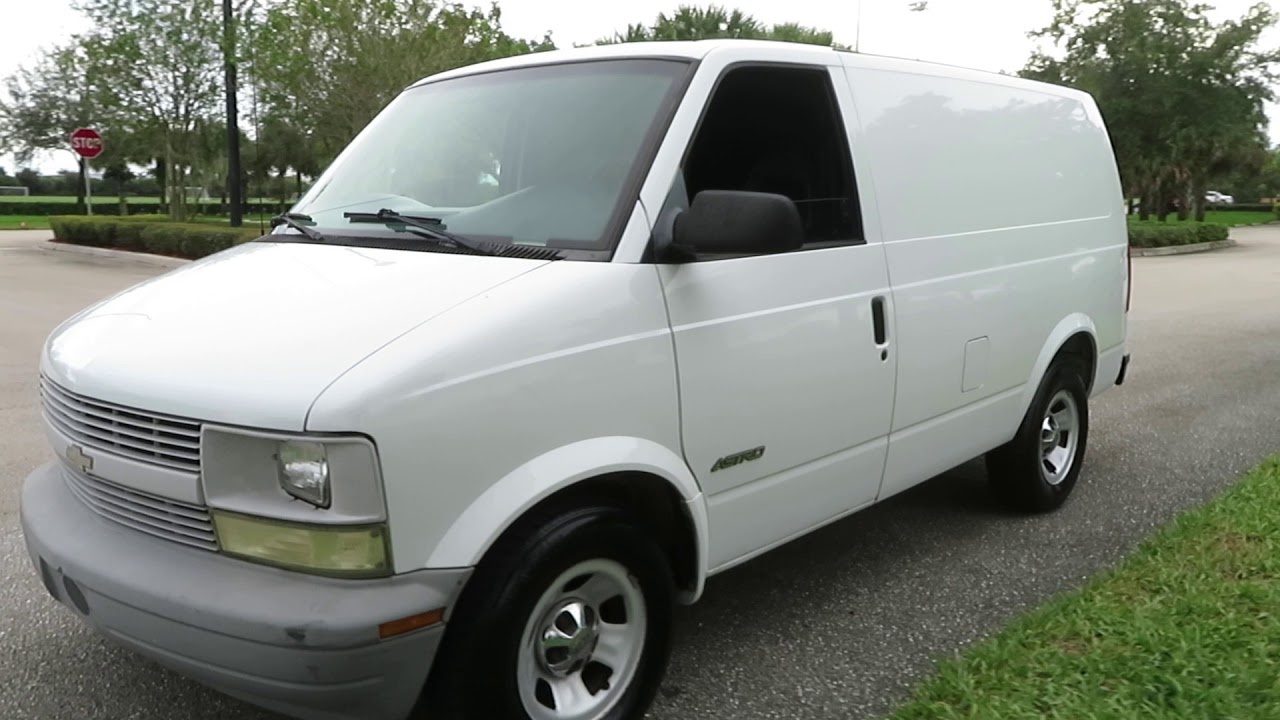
column 697, row 49
column 684, row 49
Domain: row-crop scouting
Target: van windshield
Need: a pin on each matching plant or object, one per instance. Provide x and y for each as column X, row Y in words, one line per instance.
column 533, row 156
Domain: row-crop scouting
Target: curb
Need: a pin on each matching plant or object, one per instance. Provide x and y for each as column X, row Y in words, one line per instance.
column 141, row 258
column 1182, row 249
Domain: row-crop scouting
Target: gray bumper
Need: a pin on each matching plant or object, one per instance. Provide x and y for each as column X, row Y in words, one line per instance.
column 300, row 645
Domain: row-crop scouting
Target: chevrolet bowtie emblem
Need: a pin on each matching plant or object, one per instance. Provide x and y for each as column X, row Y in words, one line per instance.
column 75, row 455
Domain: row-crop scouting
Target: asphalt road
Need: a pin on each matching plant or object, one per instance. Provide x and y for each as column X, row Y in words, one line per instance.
column 839, row 624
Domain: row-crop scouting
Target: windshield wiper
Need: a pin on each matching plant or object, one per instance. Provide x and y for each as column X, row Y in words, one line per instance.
column 295, row 220
column 426, row 226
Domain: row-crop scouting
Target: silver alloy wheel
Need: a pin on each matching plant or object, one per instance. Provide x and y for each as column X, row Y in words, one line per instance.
column 582, row 643
column 1059, row 436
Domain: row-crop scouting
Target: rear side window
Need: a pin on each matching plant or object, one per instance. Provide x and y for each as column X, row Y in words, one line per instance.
column 777, row 130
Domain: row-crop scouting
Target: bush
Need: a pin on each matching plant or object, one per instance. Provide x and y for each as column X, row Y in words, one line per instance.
column 1242, row 207
column 1153, row 235
column 102, row 207
column 148, row 234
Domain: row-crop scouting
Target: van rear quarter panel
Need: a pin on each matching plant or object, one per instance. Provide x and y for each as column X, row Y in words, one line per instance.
column 1002, row 217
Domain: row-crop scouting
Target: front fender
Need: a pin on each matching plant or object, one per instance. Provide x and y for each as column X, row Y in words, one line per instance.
column 482, row 522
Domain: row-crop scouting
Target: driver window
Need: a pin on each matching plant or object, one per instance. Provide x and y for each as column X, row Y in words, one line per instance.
column 778, row 130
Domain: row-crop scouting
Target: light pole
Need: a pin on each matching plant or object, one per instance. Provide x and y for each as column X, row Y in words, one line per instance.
column 857, row 37
column 233, row 121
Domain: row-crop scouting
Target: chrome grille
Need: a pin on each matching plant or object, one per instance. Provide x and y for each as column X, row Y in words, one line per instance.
column 160, row 440
column 161, row 517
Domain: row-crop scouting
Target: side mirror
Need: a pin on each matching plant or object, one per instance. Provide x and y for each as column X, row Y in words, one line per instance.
column 732, row 221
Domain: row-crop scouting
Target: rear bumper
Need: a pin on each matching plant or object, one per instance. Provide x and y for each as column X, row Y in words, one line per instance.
column 300, row 645
column 1124, row 369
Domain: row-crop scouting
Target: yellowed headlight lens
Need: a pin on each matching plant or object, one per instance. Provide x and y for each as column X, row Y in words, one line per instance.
column 340, row 551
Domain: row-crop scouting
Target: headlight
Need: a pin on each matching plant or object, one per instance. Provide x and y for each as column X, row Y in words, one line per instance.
column 304, row 471
column 308, row 503
column 340, row 551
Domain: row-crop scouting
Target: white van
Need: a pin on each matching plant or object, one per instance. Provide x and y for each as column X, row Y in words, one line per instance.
column 555, row 339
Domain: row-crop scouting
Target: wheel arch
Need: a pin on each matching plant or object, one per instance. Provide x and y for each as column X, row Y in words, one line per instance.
column 639, row 474
column 1076, row 337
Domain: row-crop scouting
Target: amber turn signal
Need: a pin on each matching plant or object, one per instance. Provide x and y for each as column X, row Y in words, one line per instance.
column 413, row 622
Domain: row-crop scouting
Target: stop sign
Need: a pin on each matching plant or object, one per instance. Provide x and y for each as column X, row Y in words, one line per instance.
column 86, row 142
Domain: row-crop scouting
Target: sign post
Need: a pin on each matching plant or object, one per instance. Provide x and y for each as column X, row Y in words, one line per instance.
column 87, row 143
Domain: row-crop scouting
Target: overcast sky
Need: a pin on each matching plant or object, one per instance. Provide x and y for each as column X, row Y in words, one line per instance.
column 983, row 34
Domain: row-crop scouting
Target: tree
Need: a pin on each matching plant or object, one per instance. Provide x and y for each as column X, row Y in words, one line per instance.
column 691, row 22
column 41, row 105
column 159, row 63
column 1183, row 97
column 324, row 68
column 31, row 179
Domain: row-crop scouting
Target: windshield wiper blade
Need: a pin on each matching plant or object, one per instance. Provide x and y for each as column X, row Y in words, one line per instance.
column 295, row 220
column 426, row 226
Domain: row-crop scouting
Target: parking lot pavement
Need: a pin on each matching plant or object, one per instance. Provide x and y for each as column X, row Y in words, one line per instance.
column 838, row 624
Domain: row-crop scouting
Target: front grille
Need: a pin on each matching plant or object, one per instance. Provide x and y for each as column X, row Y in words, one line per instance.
column 180, row 522
column 160, row 440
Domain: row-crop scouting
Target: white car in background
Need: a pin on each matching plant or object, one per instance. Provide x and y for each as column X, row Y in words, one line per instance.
column 1213, row 197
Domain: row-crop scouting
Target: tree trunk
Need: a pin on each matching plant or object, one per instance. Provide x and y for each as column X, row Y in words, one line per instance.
column 1198, row 189
column 162, row 179
column 170, row 176
column 1183, row 209
column 1148, row 204
column 298, row 178
column 124, row 204
column 1164, row 199
column 181, row 196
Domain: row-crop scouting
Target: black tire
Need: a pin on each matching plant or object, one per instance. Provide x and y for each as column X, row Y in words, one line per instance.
column 475, row 674
column 1017, row 471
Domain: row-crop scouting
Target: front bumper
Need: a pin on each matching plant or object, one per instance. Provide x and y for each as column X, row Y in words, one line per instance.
column 296, row 644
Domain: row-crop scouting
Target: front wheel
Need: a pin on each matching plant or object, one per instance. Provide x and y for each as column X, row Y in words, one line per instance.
column 568, row 619
column 1038, row 469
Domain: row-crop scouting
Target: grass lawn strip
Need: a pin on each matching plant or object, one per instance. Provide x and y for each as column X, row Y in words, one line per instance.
column 1217, row 218
column 1187, row 627
column 14, row 222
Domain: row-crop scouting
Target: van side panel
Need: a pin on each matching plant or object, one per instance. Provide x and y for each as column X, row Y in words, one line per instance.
column 1002, row 216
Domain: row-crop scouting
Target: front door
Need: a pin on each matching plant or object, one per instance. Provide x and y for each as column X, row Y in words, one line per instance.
column 785, row 361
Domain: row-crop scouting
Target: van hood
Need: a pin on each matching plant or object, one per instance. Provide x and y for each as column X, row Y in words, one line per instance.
column 253, row 335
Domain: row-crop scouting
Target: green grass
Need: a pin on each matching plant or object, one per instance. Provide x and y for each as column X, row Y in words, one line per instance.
column 1222, row 218
column 14, row 222
column 1187, row 627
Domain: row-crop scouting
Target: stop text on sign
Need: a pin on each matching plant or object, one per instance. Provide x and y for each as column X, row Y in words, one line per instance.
column 86, row 142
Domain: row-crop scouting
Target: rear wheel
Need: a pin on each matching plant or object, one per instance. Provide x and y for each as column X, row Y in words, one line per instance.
column 1038, row 469
column 568, row 619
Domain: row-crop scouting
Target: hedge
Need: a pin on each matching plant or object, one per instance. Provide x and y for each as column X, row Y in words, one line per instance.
column 113, row 208
column 149, row 234
column 1151, row 235
column 155, row 234
column 1245, row 207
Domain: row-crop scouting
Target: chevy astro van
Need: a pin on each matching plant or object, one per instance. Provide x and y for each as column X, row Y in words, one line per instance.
column 557, row 338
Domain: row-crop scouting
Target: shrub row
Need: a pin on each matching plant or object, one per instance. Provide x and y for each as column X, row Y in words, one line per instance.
column 150, row 235
column 1245, row 207
column 113, row 208
column 155, row 234
column 1152, row 235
